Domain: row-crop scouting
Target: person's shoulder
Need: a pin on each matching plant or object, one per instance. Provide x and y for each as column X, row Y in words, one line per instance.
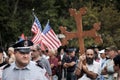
column 6, row 66
column 36, row 64
column 108, row 61
column 35, row 68
column 44, row 59
column 9, row 66
column 96, row 63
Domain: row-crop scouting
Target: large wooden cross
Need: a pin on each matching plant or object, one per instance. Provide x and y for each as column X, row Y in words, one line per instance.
column 80, row 34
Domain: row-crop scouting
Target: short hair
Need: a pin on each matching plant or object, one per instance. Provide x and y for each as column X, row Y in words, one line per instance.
column 117, row 60
column 11, row 49
column 114, row 48
column 38, row 47
column 52, row 51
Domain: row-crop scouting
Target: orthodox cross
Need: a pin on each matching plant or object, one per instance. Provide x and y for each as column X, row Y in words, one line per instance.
column 80, row 34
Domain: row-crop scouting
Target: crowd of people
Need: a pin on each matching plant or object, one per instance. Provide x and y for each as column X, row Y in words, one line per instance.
column 26, row 61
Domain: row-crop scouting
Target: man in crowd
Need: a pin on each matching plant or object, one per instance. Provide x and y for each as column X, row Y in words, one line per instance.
column 36, row 56
column 102, row 61
column 70, row 63
column 60, row 55
column 108, row 66
column 53, row 60
column 90, row 69
column 23, row 68
column 11, row 55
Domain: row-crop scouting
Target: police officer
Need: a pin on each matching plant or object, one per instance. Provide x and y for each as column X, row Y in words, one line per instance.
column 23, row 68
column 70, row 64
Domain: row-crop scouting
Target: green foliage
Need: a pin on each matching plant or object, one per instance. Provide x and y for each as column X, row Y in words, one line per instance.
column 110, row 26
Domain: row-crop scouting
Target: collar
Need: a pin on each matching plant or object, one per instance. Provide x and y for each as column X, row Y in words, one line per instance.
column 15, row 67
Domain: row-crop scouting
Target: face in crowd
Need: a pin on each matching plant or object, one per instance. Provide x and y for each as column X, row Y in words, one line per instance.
column 89, row 56
column 22, row 58
column 35, row 51
column 22, row 53
column 72, row 54
column 112, row 54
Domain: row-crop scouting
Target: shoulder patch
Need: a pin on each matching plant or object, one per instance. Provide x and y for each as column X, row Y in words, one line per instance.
column 8, row 65
column 39, row 64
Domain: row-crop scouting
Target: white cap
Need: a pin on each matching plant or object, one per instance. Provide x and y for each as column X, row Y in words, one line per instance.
column 102, row 51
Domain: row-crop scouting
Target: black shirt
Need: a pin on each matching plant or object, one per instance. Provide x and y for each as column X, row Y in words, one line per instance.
column 69, row 60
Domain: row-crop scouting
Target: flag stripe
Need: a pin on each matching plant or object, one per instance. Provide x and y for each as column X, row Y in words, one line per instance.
column 36, row 38
column 52, row 41
column 50, row 37
column 37, row 30
column 34, row 28
column 45, row 44
column 49, row 43
column 55, row 37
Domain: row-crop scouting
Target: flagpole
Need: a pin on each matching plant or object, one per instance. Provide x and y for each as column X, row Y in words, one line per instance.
column 33, row 14
column 33, row 11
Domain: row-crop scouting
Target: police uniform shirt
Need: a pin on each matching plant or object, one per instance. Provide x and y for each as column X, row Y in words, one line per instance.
column 30, row 72
column 2, row 65
column 69, row 60
column 46, row 64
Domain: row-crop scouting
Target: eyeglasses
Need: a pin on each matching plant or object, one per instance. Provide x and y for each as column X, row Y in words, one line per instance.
column 33, row 50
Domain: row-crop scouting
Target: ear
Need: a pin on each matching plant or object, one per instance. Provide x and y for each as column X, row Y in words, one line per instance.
column 15, row 51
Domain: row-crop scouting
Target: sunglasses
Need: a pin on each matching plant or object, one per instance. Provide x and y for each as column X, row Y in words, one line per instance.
column 33, row 50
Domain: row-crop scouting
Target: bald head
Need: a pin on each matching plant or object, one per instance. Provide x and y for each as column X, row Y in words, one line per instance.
column 90, row 53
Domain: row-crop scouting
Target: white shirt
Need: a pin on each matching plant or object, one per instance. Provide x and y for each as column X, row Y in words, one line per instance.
column 95, row 67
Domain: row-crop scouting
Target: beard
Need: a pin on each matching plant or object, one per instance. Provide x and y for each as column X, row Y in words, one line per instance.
column 89, row 61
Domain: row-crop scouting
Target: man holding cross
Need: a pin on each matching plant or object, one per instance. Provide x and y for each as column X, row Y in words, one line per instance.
column 90, row 70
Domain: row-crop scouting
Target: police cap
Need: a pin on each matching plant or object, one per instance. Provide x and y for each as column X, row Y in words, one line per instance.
column 23, row 46
column 70, row 50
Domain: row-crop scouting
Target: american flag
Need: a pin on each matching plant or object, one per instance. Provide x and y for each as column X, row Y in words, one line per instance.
column 37, row 30
column 49, row 38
